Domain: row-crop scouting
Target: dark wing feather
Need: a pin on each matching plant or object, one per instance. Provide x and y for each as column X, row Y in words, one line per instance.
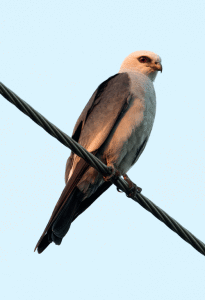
column 88, row 201
column 94, row 100
column 100, row 114
column 81, row 167
column 107, row 103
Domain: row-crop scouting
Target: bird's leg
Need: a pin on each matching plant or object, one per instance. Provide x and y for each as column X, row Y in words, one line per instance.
column 114, row 174
column 132, row 186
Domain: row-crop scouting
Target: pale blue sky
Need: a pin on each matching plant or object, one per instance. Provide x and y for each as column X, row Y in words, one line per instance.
column 54, row 54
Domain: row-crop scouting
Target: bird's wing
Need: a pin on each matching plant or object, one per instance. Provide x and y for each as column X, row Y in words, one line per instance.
column 88, row 201
column 107, row 104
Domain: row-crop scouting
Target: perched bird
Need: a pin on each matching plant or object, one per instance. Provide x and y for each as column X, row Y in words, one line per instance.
column 115, row 126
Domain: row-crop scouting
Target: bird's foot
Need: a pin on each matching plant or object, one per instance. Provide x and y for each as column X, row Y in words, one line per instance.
column 114, row 174
column 132, row 186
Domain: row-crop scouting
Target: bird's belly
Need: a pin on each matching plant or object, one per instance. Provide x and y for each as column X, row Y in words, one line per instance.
column 131, row 133
column 131, row 151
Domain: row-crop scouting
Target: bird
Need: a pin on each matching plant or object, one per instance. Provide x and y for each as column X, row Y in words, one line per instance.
column 115, row 126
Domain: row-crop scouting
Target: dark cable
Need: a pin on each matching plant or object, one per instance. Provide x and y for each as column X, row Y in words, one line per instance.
column 102, row 168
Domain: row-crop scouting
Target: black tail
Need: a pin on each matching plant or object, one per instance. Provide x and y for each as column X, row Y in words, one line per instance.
column 62, row 223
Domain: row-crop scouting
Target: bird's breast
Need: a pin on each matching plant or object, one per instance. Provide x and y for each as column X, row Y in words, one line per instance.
column 132, row 131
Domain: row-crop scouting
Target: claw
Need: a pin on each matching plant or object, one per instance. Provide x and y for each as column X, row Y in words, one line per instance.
column 119, row 190
column 132, row 186
column 114, row 174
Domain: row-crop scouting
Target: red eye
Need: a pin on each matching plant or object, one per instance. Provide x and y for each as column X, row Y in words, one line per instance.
column 144, row 59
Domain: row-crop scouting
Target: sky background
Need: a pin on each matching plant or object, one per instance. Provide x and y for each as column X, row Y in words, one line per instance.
column 54, row 54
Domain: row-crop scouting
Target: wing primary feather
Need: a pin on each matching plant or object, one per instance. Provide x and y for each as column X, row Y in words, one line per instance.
column 79, row 171
column 100, row 115
column 88, row 201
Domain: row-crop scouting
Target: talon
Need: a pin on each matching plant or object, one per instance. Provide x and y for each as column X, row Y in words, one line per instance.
column 132, row 186
column 114, row 174
column 119, row 190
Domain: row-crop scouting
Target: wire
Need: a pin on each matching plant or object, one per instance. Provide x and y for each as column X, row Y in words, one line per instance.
column 101, row 168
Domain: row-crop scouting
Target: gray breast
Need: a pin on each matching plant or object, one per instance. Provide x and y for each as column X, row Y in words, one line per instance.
column 133, row 130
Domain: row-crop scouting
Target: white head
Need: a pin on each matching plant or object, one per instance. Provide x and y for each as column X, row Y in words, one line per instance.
column 145, row 62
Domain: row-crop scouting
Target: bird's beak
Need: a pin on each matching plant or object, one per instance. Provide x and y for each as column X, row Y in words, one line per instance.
column 158, row 66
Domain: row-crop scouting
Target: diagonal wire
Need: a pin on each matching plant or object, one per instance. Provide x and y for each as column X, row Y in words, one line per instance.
column 101, row 167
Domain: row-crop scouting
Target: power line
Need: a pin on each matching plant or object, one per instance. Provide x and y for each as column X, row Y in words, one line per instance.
column 101, row 168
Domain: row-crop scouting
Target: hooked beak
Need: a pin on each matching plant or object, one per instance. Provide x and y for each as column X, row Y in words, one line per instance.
column 158, row 66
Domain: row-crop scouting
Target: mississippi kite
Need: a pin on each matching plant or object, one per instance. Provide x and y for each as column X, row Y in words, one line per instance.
column 115, row 126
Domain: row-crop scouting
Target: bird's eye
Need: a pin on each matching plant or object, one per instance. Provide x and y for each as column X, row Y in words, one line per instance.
column 144, row 59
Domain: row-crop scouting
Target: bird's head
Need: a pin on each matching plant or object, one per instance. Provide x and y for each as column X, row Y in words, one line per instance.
column 145, row 62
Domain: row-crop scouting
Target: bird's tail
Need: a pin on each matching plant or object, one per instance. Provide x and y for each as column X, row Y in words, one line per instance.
column 62, row 223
